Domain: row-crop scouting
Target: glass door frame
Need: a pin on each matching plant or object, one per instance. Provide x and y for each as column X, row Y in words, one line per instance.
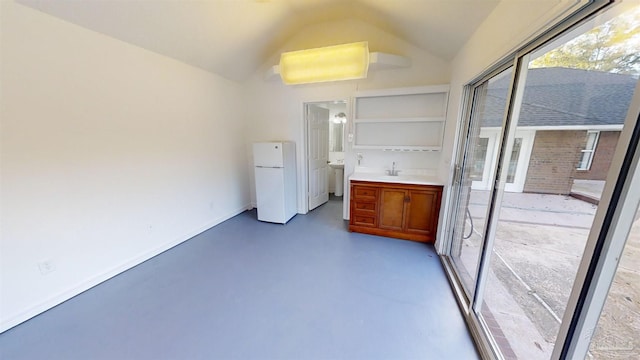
column 606, row 241
column 607, row 235
column 466, row 301
column 464, row 131
column 507, row 140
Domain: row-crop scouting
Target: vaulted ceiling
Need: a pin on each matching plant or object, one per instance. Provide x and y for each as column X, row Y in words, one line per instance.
column 233, row 38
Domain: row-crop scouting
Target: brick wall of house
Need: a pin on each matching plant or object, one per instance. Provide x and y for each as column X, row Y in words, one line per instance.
column 554, row 159
column 602, row 157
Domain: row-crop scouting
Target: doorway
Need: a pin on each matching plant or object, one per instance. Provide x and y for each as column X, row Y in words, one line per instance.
column 484, row 161
column 325, row 125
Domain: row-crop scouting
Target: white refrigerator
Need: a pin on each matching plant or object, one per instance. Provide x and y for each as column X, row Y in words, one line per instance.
column 275, row 175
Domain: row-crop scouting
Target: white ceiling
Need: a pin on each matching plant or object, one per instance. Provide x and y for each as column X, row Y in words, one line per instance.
column 233, row 38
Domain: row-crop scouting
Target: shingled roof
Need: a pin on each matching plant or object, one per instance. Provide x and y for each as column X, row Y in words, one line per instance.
column 564, row 97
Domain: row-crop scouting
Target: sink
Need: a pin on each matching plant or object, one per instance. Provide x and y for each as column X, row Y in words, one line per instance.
column 339, row 170
column 398, row 178
column 406, row 179
column 392, row 177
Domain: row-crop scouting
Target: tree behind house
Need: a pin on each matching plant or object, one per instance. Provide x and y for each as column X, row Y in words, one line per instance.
column 612, row 47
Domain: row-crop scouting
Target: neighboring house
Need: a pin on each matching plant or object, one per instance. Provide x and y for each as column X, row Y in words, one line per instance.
column 568, row 128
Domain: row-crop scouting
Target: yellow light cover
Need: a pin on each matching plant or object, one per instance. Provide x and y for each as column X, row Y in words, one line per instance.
column 331, row 63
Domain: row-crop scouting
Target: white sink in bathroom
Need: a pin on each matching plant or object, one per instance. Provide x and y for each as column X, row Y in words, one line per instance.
column 339, row 171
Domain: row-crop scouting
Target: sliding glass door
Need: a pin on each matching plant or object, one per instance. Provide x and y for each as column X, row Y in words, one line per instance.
column 525, row 202
column 477, row 174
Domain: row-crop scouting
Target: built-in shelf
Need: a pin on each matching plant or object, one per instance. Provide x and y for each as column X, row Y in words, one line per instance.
column 411, row 148
column 399, row 148
column 404, row 119
column 410, row 119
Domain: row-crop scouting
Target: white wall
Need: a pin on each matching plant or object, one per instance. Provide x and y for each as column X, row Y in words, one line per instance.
column 110, row 155
column 276, row 110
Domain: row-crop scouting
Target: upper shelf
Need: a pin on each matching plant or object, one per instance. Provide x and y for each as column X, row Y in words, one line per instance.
column 409, row 119
column 401, row 106
column 431, row 89
column 400, row 119
column 405, row 135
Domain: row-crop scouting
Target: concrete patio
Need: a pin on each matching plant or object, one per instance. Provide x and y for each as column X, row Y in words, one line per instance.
column 538, row 247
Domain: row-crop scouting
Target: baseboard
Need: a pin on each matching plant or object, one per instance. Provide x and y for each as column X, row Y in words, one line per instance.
column 100, row 278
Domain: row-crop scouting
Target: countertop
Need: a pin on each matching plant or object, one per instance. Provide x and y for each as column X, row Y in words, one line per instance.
column 416, row 179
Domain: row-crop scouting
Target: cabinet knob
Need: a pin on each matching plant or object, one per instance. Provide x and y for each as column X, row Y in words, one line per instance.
column 407, row 198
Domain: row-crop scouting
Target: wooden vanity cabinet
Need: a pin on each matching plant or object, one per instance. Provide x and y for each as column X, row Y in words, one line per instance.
column 402, row 211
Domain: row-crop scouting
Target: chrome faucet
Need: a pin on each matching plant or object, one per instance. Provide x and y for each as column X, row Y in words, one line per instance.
column 393, row 171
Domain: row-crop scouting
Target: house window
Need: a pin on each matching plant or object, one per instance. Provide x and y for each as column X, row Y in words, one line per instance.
column 589, row 150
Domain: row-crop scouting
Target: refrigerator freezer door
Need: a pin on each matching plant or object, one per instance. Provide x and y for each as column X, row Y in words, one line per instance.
column 268, row 154
column 270, row 195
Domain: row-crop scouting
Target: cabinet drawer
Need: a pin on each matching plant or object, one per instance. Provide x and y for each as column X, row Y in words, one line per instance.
column 363, row 220
column 364, row 193
column 365, row 207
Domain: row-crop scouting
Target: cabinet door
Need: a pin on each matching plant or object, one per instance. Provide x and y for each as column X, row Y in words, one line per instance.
column 392, row 208
column 422, row 213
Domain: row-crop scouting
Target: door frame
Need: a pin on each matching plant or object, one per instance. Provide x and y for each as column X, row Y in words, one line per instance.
column 303, row 193
column 524, row 157
column 492, row 146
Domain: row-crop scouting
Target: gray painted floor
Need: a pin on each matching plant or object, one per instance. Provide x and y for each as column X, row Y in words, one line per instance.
column 251, row 290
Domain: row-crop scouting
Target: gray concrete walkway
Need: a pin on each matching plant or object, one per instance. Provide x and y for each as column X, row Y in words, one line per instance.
column 538, row 247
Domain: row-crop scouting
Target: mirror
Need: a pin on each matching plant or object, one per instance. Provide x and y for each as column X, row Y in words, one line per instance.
column 336, row 132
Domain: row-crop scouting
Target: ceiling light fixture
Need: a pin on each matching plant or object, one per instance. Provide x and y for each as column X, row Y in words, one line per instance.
column 331, row 63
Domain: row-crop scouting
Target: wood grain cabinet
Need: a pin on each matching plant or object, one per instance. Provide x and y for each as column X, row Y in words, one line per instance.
column 402, row 211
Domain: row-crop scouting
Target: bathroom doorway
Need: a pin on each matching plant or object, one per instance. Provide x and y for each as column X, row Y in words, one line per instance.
column 325, row 128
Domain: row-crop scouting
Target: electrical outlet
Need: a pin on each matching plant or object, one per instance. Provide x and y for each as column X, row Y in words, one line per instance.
column 46, row 267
